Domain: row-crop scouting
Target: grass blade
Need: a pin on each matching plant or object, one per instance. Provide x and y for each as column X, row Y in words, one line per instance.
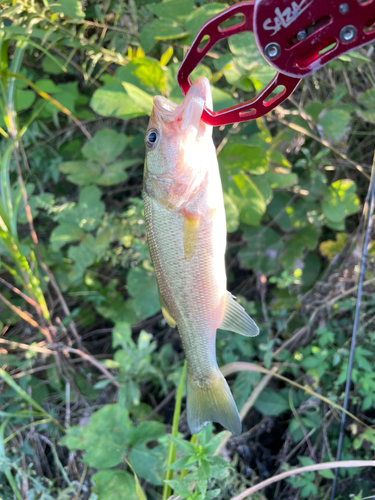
column 171, row 457
column 23, row 394
column 5, row 464
column 301, row 470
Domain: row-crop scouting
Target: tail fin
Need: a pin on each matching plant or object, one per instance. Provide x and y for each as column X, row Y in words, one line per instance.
column 211, row 402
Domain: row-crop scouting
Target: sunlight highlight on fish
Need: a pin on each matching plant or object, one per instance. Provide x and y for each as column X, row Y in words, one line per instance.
column 186, row 230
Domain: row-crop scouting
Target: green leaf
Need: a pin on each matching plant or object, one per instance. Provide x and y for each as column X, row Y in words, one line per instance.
column 242, row 157
column 243, row 386
column 105, row 146
column 335, row 124
column 340, row 200
column 147, row 431
column 141, row 98
column 305, row 238
column 114, row 485
column 107, row 436
column 221, row 99
column 263, row 249
column 144, row 73
column 158, row 30
column 198, row 17
column 121, row 335
column 149, row 463
column 313, row 109
column 311, row 269
column 248, row 199
column 243, row 46
column 90, row 209
column 83, row 256
column 330, row 248
column 171, row 11
column 51, row 67
column 141, row 285
column 63, row 234
column 231, row 214
column 70, row 8
column 367, row 100
column 73, row 438
column 48, row 86
column 262, row 75
column 24, row 99
column 280, row 178
column 114, row 173
column 81, row 172
column 271, row 403
column 112, row 100
column 184, row 446
column 328, row 474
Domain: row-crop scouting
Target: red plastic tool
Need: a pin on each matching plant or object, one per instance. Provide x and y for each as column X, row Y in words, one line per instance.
column 299, row 37
column 295, row 37
column 213, row 33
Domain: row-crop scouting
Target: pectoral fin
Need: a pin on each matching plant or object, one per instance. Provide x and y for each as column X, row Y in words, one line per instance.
column 167, row 315
column 190, row 232
column 236, row 318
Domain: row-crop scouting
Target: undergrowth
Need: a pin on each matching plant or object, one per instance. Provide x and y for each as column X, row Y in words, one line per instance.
column 92, row 387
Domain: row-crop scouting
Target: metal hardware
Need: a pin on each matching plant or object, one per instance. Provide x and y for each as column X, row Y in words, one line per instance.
column 344, row 8
column 348, row 33
column 272, row 50
column 301, row 35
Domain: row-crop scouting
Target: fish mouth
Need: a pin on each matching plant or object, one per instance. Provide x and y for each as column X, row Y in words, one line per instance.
column 189, row 112
column 164, row 108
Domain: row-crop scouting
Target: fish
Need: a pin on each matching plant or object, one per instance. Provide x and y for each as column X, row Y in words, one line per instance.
column 186, row 232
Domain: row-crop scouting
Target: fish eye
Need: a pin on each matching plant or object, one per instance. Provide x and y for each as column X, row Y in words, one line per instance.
column 152, row 138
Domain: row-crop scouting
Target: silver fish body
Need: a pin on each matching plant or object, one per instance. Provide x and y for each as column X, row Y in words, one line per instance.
column 186, row 231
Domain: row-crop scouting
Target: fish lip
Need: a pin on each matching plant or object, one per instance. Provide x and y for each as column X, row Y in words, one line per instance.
column 164, row 108
column 200, row 89
column 189, row 112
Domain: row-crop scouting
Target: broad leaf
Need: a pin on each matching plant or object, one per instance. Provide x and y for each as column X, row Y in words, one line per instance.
column 335, row 124
column 231, row 214
column 81, row 172
column 144, row 100
column 107, row 436
column 112, row 100
column 340, row 200
column 141, row 285
column 105, row 146
column 158, row 30
column 70, row 8
column 63, row 234
column 271, row 403
column 114, row 485
column 144, row 73
column 242, row 157
column 248, row 199
column 149, row 463
column 171, row 11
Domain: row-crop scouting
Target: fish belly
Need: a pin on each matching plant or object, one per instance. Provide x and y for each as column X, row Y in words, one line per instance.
column 193, row 290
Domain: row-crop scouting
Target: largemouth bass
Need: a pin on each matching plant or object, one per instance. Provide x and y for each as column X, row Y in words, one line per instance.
column 186, row 231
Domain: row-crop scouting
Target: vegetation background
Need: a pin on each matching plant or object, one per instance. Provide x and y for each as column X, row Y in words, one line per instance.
column 89, row 368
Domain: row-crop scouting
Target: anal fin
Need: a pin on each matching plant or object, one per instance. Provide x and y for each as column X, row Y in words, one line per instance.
column 236, row 318
column 167, row 315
